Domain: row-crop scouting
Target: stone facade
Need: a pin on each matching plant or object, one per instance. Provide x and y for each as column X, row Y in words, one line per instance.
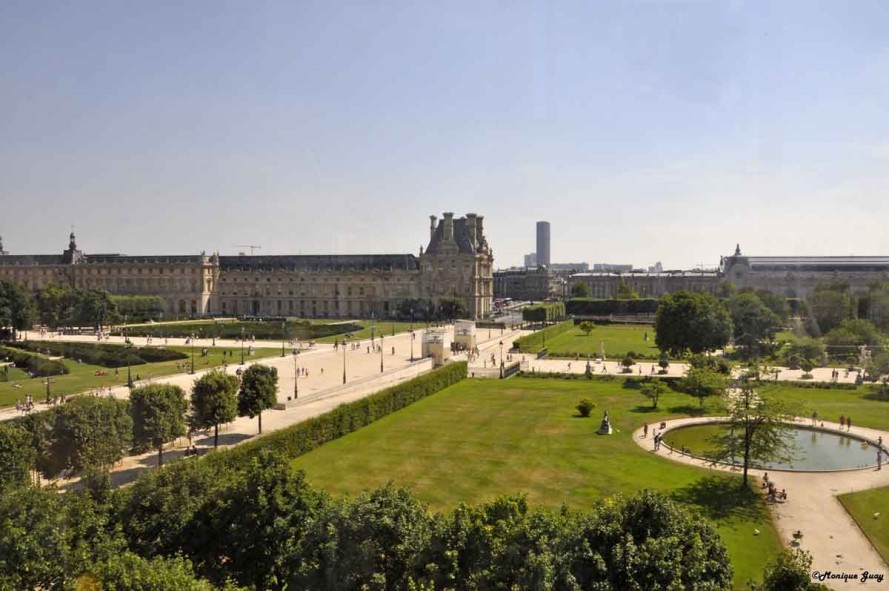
column 647, row 285
column 457, row 263
column 797, row 276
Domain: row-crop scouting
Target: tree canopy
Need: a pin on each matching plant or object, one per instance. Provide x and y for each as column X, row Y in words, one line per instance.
column 214, row 401
column 259, row 391
column 691, row 321
column 158, row 412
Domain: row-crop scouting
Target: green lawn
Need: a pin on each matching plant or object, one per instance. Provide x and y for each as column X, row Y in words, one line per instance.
column 480, row 439
column 618, row 339
column 83, row 378
column 865, row 409
column 862, row 506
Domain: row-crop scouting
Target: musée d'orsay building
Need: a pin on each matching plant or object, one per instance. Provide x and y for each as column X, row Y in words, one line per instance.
column 456, row 263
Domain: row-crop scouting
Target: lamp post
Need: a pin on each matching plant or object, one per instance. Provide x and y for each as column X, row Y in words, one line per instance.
column 344, row 361
column 192, row 354
column 48, row 382
column 373, row 327
column 242, row 345
column 381, row 353
column 295, row 375
column 501, row 359
column 283, row 336
column 413, row 337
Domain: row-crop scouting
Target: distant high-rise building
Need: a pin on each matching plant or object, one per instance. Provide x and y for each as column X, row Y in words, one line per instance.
column 531, row 260
column 543, row 243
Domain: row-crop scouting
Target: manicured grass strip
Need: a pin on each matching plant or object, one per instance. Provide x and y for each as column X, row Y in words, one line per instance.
column 862, row 506
column 618, row 341
column 477, row 440
column 534, row 342
column 386, row 329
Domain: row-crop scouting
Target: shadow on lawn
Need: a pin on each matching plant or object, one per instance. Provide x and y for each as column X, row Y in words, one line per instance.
column 720, row 497
column 688, row 409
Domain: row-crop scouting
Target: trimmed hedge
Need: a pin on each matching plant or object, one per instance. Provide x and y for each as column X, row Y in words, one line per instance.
column 104, row 354
column 34, row 364
column 546, row 312
column 533, row 342
column 344, row 419
column 597, row 307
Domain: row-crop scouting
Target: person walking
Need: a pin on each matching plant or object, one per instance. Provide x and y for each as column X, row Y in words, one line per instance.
column 644, row 430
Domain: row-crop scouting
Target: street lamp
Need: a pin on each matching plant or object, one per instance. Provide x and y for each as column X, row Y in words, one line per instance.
column 48, row 382
column 413, row 337
column 242, row 345
column 344, row 361
column 381, row 353
column 501, row 359
column 373, row 327
column 295, row 375
column 192, row 354
column 283, row 336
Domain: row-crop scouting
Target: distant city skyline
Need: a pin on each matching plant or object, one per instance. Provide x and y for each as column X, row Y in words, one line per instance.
column 642, row 131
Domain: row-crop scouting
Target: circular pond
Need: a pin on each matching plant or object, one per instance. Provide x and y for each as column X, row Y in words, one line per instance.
column 815, row 450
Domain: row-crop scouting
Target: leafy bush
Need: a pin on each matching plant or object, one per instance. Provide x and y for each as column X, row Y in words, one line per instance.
column 34, row 364
column 585, row 407
column 546, row 312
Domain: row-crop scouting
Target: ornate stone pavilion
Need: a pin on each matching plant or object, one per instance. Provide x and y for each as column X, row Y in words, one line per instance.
column 458, row 262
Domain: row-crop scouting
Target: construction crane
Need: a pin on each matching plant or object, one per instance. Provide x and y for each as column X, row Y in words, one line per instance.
column 252, row 247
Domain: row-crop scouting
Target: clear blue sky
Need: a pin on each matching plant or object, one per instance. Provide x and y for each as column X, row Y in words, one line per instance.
column 643, row 131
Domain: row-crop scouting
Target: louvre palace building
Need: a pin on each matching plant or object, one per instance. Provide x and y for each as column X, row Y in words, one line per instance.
column 789, row 276
column 456, row 263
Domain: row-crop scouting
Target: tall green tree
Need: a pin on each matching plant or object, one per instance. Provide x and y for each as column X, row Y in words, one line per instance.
column 95, row 307
column 35, row 545
column 87, row 434
column 702, row 382
column 753, row 322
column 158, row 412
column 580, row 289
column 790, row 571
column 56, row 305
column 259, row 391
column 829, row 304
column 452, row 307
column 625, row 291
column 130, row 572
column 214, row 401
column 16, row 307
column 758, row 428
column 16, row 456
column 653, row 390
column 691, row 321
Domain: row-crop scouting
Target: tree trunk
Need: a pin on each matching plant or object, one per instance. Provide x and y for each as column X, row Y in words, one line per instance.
column 216, row 436
column 260, row 423
column 160, row 455
column 746, row 458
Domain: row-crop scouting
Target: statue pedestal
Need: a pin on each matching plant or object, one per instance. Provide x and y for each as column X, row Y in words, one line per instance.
column 605, row 427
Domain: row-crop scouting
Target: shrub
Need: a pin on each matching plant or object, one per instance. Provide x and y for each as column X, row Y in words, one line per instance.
column 104, row 354
column 627, row 363
column 585, row 407
column 547, row 312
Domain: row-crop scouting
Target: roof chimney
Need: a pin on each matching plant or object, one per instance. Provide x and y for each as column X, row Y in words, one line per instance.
column 432, row 219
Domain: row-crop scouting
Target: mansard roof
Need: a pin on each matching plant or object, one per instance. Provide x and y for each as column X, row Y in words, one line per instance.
column 462, row 237
column 322, row 262
column 816, row 263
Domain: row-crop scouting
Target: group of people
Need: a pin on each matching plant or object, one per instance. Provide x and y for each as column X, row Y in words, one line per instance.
column 192, row 451
column 773, row 493
column 658, row 437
